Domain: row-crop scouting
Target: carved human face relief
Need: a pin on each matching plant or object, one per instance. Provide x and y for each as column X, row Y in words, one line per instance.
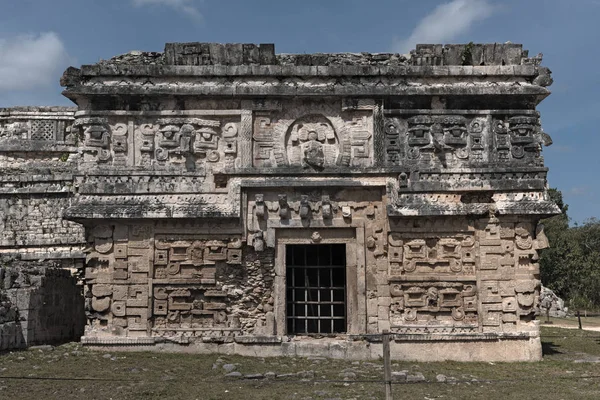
column 312, row 142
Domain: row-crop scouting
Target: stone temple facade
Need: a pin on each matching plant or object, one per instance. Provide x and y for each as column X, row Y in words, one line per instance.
column 222, row 197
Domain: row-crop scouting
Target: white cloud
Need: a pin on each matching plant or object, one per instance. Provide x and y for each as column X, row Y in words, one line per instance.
column 580, row 191
column 446, row 22
column 31, row 61
column 185, row 6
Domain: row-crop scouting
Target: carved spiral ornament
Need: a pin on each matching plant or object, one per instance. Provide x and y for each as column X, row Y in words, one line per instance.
column 410, row 314
column 458, row 314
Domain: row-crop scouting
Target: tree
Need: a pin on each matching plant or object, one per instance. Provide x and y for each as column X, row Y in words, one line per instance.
column 553, row 260
column 571, row 265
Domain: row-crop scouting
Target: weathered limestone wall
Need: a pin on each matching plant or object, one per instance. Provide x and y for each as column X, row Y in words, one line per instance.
column 40, row 303
column 36, row 177
column 193, row 171
column 551, row 304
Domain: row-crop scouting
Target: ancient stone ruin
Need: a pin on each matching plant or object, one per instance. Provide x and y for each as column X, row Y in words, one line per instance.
column 551, row 305
column 40, row 303
column 227, row 198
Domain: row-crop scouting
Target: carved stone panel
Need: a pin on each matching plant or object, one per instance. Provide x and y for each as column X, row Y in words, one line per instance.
column 519, row 139
column 179, row 308
column 449, row 305
column 410, row 254
column 192, row 260
column 453, row 140
column 313, row 136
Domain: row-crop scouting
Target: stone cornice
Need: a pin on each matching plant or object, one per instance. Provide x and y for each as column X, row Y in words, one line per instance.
column 111, row 70
column 298, row 87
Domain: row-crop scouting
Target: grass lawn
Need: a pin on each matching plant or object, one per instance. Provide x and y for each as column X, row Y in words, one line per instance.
column 570, row 370
column 589, row 322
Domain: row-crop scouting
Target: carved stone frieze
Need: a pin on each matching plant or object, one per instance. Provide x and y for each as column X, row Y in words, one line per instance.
column 313, row 137
column 37, row 124
column 192, row 177
column 423, row 254
column 447, row 140
column 434, row 303
column 124, row 258
column 519, row 139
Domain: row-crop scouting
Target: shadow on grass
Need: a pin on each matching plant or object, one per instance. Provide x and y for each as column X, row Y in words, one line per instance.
column 549, row 348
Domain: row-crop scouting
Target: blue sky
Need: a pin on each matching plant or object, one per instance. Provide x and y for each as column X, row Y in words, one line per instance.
column 40, row 38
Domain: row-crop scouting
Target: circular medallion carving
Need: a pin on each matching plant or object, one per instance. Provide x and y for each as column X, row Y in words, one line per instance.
column 103, row 155
column 161, row 154
column 462, row 153
column 410, row 314
column 118, row 308
column 410, row 266
column 413, row 153
column 468, row 241
column 517, row 152
column 173, row 268
column 312, row 142
column 230, row 130
column 455, row 265
column 160, row 293
column 213, row 156
column 316, row 237
column 103, row 245
column 458, row 314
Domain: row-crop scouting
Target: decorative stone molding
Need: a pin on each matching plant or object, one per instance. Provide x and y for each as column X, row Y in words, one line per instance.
column 186, row 175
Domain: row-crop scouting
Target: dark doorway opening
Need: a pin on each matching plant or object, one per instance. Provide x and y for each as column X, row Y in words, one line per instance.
column 316, row 288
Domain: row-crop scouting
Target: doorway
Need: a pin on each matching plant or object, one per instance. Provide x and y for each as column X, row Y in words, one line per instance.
column 316, row 288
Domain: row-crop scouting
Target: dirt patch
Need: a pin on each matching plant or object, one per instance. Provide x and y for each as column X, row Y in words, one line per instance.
column 569, row 370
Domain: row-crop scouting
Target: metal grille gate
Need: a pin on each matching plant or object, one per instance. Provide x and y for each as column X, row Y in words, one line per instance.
column 316, row 288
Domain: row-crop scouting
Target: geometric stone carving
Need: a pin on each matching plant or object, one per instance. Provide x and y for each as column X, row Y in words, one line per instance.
column 442, row 303
column 431, row 254
column 213, row 159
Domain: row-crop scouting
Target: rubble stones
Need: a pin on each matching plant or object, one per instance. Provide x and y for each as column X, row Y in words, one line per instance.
column 415, row 377
column 229, row 367
column 399, row 376
column 264, row 54
column 39, row 303
column 254, row 376
column 550, row 302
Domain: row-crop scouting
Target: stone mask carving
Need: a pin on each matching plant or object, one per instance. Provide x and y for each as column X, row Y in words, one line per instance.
column 312, row 143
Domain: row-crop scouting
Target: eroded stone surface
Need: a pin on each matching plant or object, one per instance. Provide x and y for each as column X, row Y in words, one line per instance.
column 192, row 171
column 551, row 304
column 39, row 303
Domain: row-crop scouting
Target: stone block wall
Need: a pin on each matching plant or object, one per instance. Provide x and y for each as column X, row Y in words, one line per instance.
column 144, row 278
column 40, row 303
column 193, row 172
column 37, row 152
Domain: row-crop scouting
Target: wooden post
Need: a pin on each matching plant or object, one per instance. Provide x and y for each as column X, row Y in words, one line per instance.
column 387, row 365
column 579, row 319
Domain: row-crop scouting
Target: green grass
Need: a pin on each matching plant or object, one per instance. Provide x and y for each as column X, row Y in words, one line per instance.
column 586, row 322
column 568, row 371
